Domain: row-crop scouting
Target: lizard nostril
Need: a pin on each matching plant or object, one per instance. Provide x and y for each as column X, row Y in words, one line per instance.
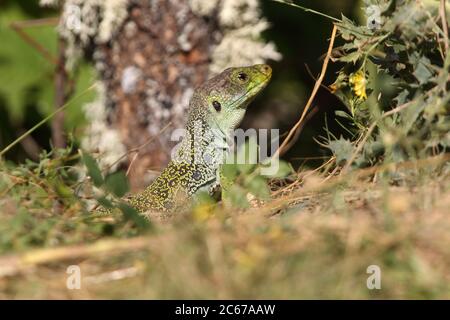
column 266, row 69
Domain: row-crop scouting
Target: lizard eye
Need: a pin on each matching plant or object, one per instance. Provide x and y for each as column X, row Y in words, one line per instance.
column 242, row 76
column 216, row 104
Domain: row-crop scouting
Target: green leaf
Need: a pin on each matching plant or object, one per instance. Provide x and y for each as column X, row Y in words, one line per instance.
column 238, row 196
column 342, row 149
column 62, row 190
column 422, row 73
column 24, row 72
column 93, row 170
column 117, row 184
column 283, row 170
column 229, row 171
column 246, row 168
column 130, row 214
column 258, row 186
column 343, row 114
column 106, row 203
column 203, row 197
column 247, row 156
column 411, row 114
column 402, row 97
column 347, row 28
column 26, row 76
column 351, row 57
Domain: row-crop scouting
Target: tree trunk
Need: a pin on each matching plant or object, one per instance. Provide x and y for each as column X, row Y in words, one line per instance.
column 161, row 52
column 150, row 55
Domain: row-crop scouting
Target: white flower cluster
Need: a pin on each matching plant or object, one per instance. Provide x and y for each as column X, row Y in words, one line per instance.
column 242, row 25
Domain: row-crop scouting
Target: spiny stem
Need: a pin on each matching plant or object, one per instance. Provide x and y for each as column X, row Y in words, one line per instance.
column 40, row 123
column 308, row 10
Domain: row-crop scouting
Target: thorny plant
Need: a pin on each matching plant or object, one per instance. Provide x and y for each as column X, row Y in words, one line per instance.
column 395, row 85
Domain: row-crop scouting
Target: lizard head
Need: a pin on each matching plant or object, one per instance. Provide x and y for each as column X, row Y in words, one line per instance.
column 223, row 100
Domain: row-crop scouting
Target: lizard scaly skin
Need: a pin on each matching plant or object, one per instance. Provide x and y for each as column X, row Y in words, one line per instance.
column 216, row 108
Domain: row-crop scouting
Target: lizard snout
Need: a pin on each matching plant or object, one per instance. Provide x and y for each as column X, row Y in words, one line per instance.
column 264, row 69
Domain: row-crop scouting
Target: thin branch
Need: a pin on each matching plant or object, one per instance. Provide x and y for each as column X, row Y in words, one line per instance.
column 57, row 126
column 18, row 28
column 131, row 163
column 308, row 70
column 14, row 264
column 336, row 180
column 299, row 130
column 40, row 123
column 369, row 132
column 38, row 22
column 443, row 14
column 113, row 275
column 308, row 10
column 300, row 179
column 317, row 85
column 30, row 146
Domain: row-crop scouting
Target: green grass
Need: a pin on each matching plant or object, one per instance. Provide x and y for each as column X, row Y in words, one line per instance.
column 382, row 199
column 314, row 239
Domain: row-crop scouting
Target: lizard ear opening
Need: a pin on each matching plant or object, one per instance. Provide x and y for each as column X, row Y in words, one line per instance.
column 216, row 104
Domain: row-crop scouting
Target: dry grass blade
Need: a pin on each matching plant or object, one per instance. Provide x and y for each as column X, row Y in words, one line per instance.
column 443, row 14
column 43, row 121
column 14, row 264
column 347, row 178
column 283, row 147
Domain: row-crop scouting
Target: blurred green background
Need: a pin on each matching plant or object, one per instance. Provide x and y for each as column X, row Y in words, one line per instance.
column 27, row 86
column 27, row 89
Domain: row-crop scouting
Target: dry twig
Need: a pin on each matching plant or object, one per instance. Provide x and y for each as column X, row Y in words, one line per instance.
column 283, row 147
column 443, row 14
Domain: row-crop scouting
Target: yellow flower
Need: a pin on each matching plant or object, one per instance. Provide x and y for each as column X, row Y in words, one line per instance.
column 203, row 211
column 358, row 82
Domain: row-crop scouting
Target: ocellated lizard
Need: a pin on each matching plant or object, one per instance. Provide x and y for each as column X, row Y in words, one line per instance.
column 216, row 108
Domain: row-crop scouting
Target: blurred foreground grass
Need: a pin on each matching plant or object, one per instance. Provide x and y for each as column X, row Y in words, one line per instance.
column 314, row 239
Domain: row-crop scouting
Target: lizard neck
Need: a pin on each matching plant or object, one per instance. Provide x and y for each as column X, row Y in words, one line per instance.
column 194, row 167
column 203, row 144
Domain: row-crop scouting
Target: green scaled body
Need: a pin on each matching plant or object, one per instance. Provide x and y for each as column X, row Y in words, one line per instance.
column 215, row 110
